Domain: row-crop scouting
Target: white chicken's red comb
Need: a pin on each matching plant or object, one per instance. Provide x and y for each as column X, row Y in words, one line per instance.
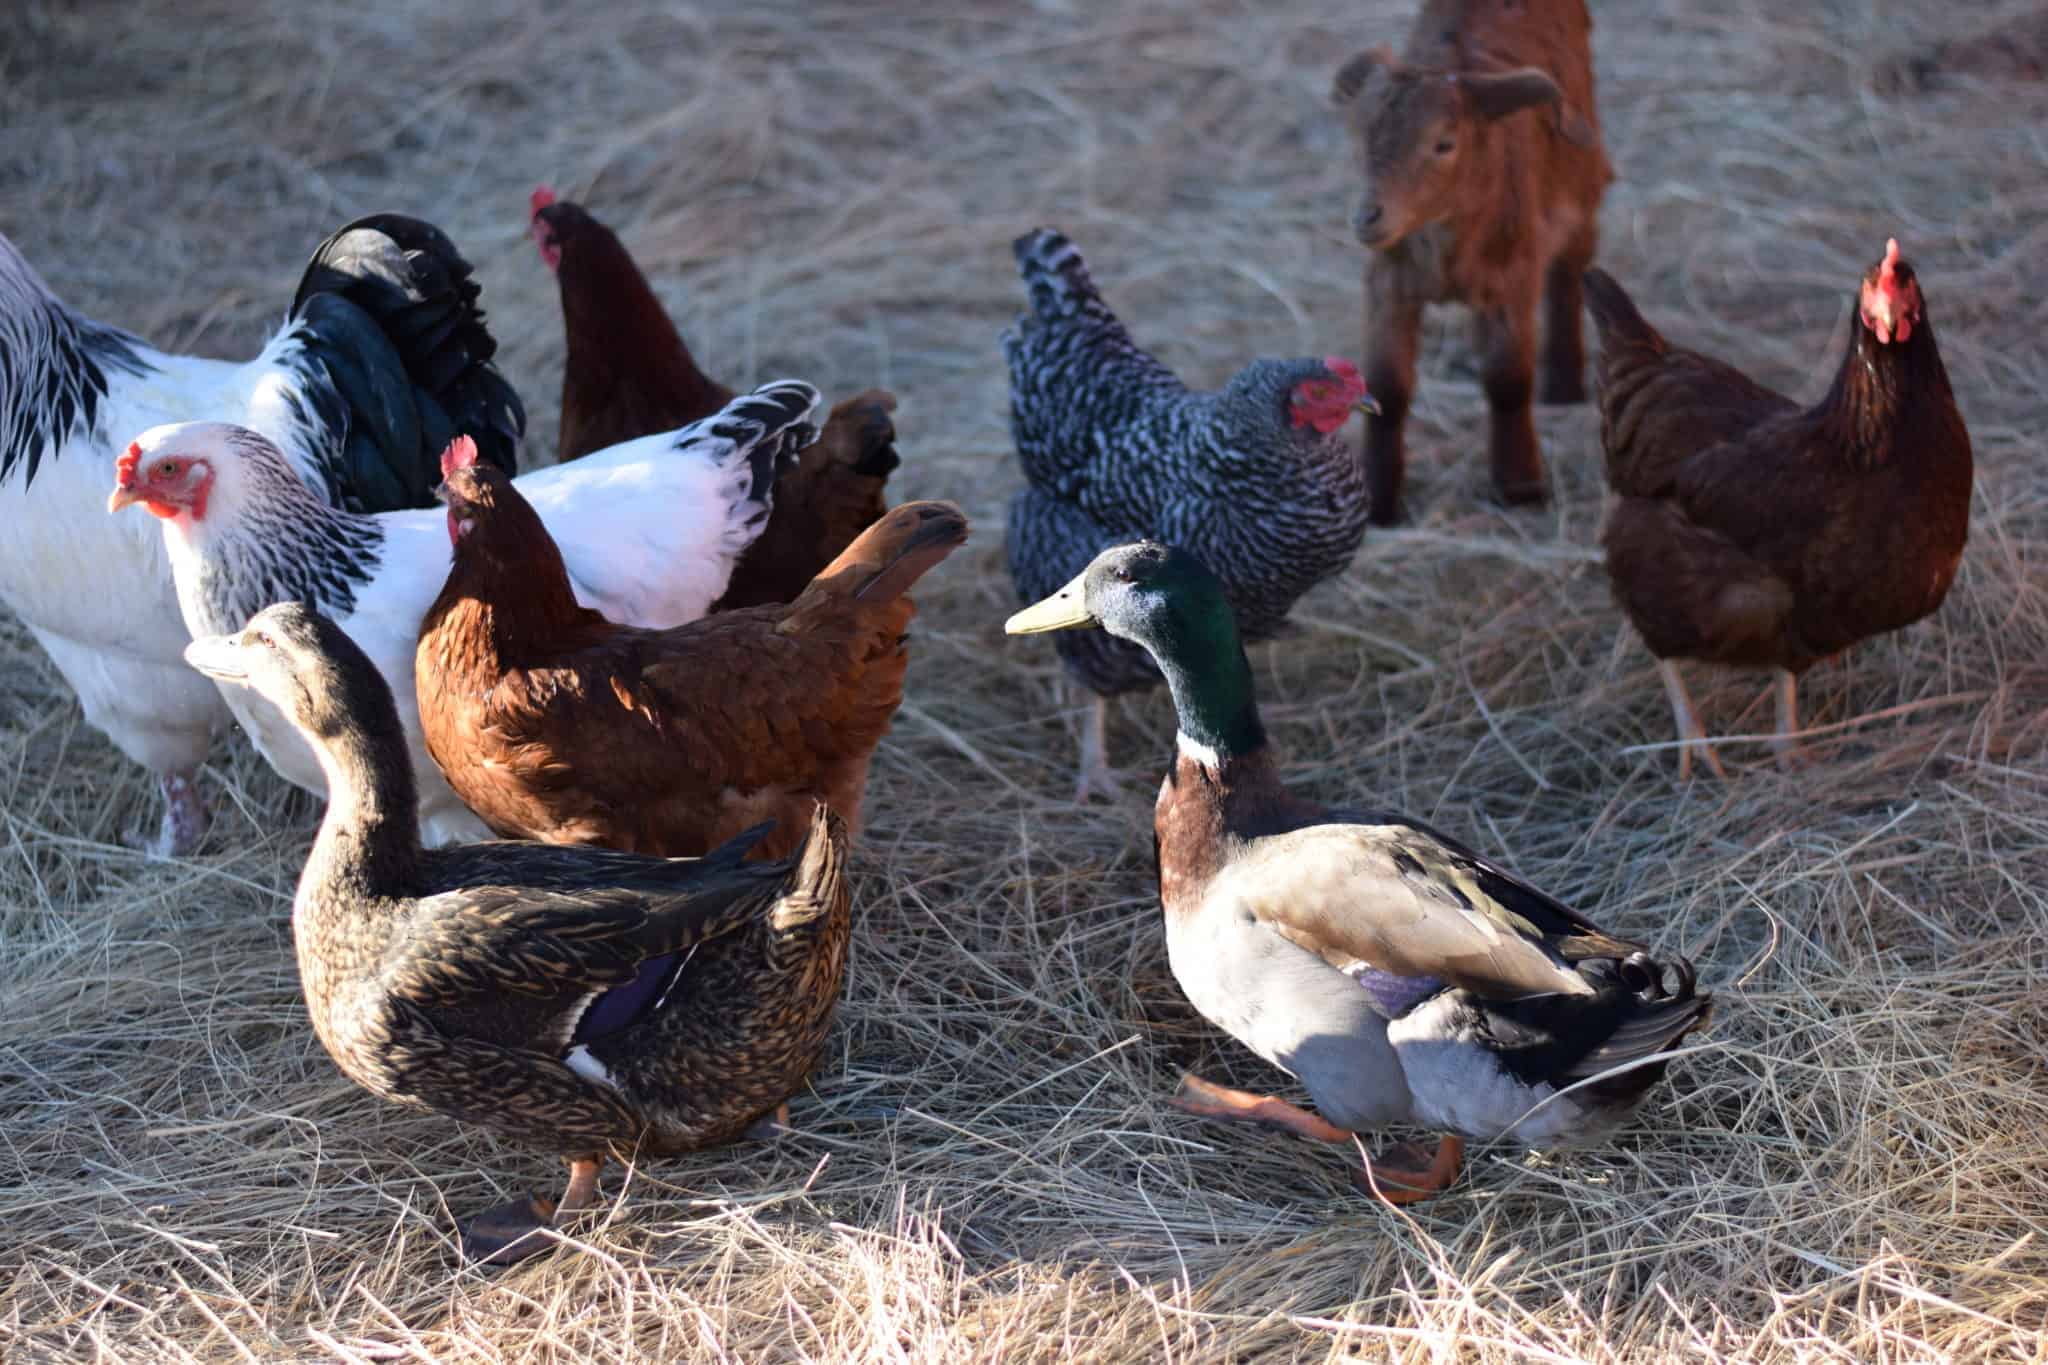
column 543, row 196
column 460, row 454
column 124, row 468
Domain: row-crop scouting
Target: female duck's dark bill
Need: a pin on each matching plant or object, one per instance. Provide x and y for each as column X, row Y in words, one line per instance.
column 1066, row 609
column 217, row 656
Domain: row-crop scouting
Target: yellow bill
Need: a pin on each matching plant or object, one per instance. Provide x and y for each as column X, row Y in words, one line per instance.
column 1066, row 609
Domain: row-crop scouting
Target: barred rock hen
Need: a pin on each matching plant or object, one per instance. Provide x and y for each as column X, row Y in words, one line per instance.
column 1752, row 532
column 1254, row 478
column 629, row 373
column 554, row 723
column 650, row 529
column 383, row 358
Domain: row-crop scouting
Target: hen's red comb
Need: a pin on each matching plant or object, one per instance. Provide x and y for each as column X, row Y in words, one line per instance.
column 124, row 468
column 1891, row 259
column 543, row 195
column 460, row 454
column 1343, row 369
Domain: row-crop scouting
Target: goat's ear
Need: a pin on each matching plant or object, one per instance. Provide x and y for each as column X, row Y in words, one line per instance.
column 1352, row 76
column 1498, row 94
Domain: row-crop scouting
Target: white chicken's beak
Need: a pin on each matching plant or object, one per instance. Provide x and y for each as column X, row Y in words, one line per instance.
column 218, row 657
column 124, row 495
column 1066, row 609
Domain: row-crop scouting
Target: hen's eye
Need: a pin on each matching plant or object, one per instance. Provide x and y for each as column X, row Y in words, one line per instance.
column 167, row 468
column 1446, row 146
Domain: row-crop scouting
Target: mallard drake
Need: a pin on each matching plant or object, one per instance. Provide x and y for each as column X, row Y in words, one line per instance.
column 577, row 1000
column 1400, row 976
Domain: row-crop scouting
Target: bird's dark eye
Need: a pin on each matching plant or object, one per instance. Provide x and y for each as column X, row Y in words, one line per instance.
column 1445, row 146
column 263, row 638
column 166, row 468
column 1124, row 575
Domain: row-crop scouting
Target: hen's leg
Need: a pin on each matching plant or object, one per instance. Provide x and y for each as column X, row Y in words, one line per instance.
column 511, row 1231
column 1208, row 1100
column 1691, row 735
column 1787, row 747
column 1097, row 777
column 185, row 819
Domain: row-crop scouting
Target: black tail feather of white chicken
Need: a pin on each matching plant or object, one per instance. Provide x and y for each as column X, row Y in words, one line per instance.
column 770, row 424
column 390, row 316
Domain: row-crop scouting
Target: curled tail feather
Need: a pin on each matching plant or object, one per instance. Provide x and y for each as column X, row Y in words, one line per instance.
column 771, row 424
column 390, row 318
column 1054, row 274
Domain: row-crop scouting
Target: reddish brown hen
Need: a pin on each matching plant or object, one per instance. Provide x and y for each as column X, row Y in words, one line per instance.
column 553, row 723
column 1753, row 532
column 629, row 373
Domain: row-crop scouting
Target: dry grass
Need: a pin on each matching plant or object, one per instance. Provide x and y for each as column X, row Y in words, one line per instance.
column 1853, row 1165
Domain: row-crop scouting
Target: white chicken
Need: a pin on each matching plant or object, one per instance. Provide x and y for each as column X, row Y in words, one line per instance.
column 383, row 358
column 649, row 529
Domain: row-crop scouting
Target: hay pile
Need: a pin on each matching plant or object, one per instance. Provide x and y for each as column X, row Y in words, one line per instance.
column 1853, row 1166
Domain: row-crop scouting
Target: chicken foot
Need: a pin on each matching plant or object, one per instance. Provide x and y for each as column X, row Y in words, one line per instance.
column 185, row 818
column 1416, row 1177
column 510, row 1232
column 1791, row 754
column 1097, row 777
column 1691, row 735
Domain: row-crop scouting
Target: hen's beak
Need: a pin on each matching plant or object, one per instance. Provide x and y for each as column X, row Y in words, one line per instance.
column 218, row 657
column 1066, row 609
column 124, row 495
column 1368, row 405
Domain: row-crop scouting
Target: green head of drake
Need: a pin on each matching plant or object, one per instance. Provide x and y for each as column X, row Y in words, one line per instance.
column 1166, row 600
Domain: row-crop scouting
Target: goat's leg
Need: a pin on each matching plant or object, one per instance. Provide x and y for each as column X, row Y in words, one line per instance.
column 1393, row 326
column 1564, row 346
column 1507, row 347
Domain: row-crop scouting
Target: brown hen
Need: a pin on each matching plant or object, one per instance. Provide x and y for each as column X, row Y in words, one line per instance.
column 553, row 723
column 629, row 373
column 1753, row 532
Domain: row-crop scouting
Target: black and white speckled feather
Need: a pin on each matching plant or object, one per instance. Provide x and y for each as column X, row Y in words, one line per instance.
column 54, row 369
column 383, row 357
column 1116, row 448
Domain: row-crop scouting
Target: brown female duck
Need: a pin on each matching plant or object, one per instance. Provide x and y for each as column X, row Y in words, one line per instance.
column 1402, row 977
column 576, row 1000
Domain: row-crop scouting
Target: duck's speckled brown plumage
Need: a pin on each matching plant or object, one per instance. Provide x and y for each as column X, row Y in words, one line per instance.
column 572, row 999
column 553, row 723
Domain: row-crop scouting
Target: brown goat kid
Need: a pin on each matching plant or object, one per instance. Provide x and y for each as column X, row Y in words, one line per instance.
column 1484, row 173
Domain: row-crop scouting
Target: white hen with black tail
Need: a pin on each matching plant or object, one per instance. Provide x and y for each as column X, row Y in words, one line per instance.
column 383, row 359
column 650, row 530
